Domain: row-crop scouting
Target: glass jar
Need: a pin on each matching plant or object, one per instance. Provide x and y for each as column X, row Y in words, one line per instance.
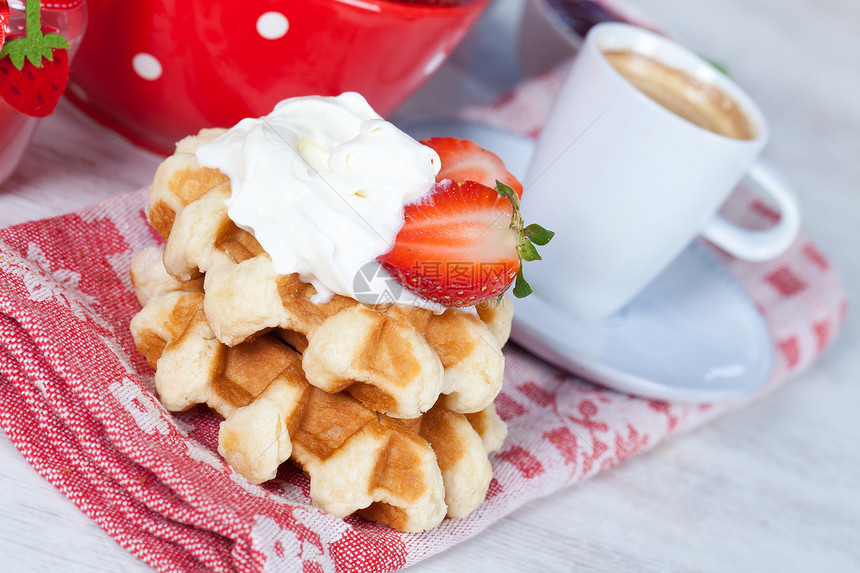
column 69, row 17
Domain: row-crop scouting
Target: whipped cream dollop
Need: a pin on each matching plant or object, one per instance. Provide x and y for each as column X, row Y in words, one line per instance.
column 321, row 183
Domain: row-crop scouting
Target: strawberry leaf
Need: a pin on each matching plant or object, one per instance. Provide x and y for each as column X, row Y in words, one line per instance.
column 55, row 41
column 528, row 237
column 17, row 57
column 527, row 251
column 506, row 191
column 538, row 235
column 35, row 52
column 522, row 288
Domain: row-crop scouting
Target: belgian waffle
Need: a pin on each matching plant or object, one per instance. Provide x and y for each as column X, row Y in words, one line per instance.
column 388, row 409
column 407, row 474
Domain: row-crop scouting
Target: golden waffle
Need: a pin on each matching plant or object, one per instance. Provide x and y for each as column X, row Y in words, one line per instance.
column 179, row 180
column 149, row 277
column 407, row 474
column 397, row 361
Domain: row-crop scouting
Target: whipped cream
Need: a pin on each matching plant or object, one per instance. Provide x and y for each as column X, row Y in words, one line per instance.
column 321, row 183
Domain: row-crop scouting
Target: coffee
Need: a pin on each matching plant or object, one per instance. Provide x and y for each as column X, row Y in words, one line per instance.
column 700, row 103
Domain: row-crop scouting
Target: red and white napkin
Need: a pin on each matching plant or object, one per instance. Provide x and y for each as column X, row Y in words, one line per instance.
column 77, row 399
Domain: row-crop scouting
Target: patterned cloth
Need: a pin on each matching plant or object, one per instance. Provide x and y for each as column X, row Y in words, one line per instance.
column 78, row 401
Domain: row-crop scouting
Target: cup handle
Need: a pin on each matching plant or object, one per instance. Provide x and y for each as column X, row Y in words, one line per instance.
column 768, row 243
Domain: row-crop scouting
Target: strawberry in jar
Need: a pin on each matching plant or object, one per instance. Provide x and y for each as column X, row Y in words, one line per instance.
column 38, row 41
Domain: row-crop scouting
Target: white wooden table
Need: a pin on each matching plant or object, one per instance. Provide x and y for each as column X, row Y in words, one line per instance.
column 774, row 487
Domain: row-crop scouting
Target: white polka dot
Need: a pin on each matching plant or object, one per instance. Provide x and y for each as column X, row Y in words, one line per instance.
column 146, row 66
column 272, row 25
column 435, row 62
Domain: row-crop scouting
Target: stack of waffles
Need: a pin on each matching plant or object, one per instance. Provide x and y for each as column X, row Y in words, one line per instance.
column 388, row 409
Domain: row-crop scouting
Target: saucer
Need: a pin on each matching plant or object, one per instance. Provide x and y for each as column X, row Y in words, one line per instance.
column 692, row 335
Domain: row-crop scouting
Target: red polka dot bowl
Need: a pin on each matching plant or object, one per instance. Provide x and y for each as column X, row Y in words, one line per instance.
column 159, row 70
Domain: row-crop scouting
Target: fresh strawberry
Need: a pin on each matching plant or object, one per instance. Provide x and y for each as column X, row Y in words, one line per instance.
column 464, row 160
column 34, row 68
column 463, row 244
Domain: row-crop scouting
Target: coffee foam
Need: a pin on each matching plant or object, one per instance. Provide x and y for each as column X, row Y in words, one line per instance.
column 700, row 103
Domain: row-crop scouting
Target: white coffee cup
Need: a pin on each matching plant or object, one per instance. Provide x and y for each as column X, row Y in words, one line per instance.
column 626, row 184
